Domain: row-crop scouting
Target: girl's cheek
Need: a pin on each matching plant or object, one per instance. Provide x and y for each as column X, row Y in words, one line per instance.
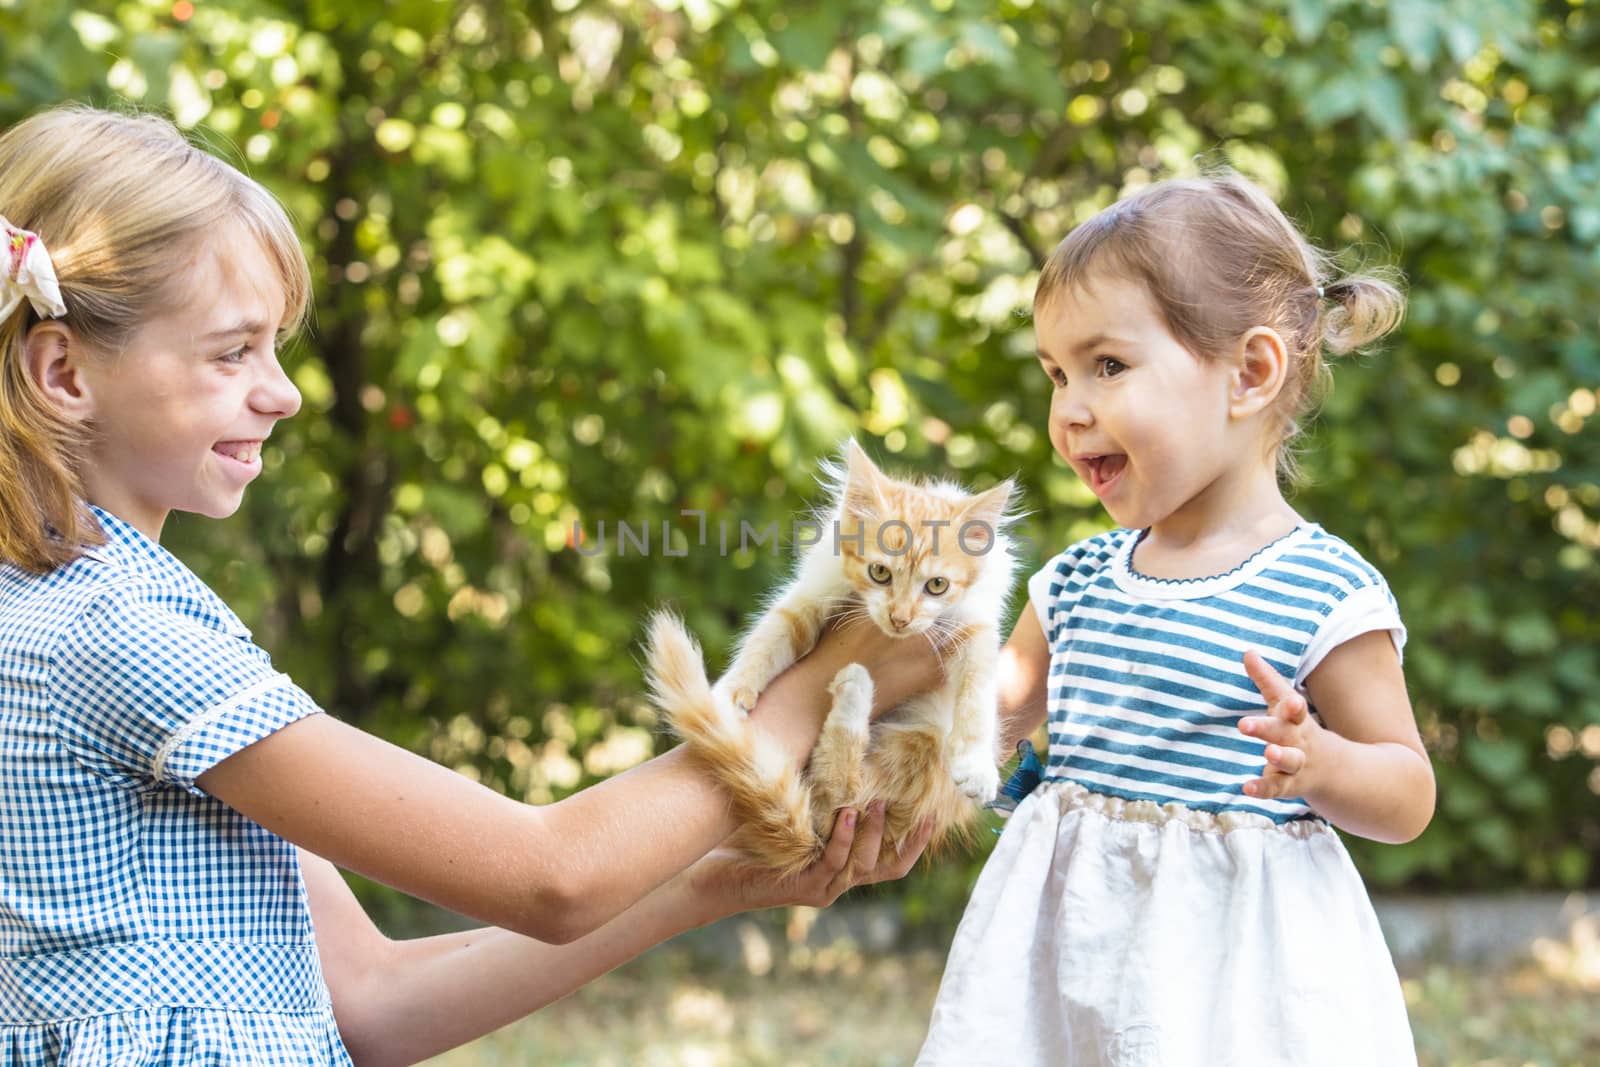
column 1058, row 434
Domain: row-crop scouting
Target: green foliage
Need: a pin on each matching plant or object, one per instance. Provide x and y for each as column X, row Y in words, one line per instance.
column 609, row 262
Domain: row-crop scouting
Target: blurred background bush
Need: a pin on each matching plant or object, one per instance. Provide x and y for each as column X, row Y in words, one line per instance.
column 584, row 263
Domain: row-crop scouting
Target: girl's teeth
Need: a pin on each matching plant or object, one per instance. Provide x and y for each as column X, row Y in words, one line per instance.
column 1107, row 468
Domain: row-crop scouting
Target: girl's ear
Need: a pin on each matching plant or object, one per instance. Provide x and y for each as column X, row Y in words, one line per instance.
column 53, row 358
column 1259, row 371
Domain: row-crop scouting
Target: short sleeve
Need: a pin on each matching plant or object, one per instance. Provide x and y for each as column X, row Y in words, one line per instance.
column 1043, row 599
column 1368, row 608
column 1055, row 587
column 141, row 694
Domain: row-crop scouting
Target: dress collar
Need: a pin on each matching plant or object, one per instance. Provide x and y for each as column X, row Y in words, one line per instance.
column 126, row 547
column 131, row 551
column 1131, row 581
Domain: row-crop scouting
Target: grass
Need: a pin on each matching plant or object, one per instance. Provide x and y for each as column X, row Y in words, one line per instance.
column 796, row 1005
column 829, row 1006
column 1542, row 1011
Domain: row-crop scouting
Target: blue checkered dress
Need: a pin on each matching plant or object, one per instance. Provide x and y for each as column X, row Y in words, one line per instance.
column 142, row 921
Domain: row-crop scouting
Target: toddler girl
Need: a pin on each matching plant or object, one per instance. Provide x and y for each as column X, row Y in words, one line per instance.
column 1221, row 678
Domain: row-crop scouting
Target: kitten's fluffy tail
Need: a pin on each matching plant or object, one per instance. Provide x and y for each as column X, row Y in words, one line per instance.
column 765, row 786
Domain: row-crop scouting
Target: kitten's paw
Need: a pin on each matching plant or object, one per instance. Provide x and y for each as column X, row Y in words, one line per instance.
column 852, row 694
column 977, row 778
column 738, row 692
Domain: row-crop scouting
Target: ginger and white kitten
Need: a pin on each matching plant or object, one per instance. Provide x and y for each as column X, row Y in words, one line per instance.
column 902, row 561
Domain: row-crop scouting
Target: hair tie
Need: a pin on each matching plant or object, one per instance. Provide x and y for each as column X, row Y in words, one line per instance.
column 1321, row 292
column 28, row 273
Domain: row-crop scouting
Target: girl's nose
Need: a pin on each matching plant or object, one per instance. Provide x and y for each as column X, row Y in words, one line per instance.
column 276, row 394
column 1069, row 409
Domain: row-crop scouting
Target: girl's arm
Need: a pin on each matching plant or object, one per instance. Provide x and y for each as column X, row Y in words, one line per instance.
column 403, row 1001
column 1366, row 771
column 1024, row 680
column 557, row 872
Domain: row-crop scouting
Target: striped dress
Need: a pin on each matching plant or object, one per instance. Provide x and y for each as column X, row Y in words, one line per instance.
column 1139, row 909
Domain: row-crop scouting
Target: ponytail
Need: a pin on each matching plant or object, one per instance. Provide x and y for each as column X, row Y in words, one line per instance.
column 1366, row 307
column 43, row 523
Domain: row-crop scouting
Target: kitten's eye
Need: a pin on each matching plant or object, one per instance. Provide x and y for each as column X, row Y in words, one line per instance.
column 936, row 586
column 879, row 573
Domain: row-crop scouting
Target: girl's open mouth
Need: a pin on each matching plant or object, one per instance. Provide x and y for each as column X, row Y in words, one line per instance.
column 246, row 455
column 1104, row 470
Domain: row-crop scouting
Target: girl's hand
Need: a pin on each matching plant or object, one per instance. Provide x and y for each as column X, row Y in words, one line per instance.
column 732, row 884
column 1291, row 734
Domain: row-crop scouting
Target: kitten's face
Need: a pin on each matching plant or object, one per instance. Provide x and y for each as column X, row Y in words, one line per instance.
column 911, row 553
column 903, row 583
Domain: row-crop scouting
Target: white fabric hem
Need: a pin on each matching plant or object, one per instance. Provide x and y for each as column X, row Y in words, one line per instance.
column 1039, row 597
column 265, row 685
column 1363, row 611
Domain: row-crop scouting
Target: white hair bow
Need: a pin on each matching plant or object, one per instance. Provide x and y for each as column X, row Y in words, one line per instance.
column 28, row 273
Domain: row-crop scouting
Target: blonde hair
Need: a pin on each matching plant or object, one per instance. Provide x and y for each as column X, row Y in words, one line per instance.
column 1219, row 258
column 122, row 203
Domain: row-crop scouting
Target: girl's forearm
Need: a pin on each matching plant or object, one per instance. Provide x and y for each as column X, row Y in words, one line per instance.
column 1381, row 790
column 1015, row 724
column 613, row 862
column 435, row 993
column 610, row 858
column 556, row 872
column 1022, row 673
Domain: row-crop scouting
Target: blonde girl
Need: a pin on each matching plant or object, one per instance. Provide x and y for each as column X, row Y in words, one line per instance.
column 173, row 809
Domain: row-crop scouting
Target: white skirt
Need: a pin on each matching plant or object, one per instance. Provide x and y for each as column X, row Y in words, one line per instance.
column 1112, row 933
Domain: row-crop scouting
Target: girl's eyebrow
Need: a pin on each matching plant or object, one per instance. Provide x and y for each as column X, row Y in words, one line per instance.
column 249, row 326
column 1098, row 340
column 1088, row 345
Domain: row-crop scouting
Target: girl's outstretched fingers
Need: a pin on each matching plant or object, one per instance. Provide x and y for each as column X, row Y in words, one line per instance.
column 1268, row 728
column 1283, row 702
column 861, row 856
column 853, row 856
column 1286, row 728
column 1285, row 758
column 1282, row 725
column 1269, row 787
column 817, row 882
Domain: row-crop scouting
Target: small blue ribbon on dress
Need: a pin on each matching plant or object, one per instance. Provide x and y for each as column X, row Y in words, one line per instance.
column 1024, row 780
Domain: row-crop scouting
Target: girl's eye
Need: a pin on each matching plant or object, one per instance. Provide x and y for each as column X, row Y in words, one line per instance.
column 1057, row 378
column 1110, row 367
column 236, row 356
column 879, row 573
column 936, row 585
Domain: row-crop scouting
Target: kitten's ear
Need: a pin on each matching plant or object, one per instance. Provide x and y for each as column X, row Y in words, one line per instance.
column 863, row 481
column 990, row 507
